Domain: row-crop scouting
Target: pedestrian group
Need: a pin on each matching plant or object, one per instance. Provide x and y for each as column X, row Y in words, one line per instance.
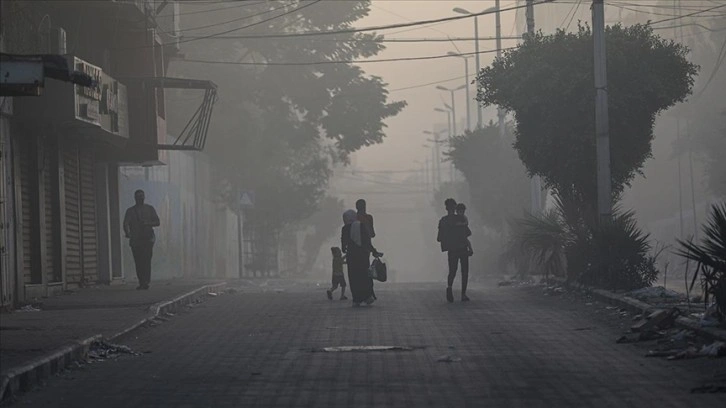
column 356, row 248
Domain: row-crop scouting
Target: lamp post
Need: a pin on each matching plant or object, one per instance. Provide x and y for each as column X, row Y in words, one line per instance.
column 453, row 105
column 466, row 75
column 476, row 47
column 436, row 161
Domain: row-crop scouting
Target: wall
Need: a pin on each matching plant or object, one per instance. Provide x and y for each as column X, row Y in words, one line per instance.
column 197, row 236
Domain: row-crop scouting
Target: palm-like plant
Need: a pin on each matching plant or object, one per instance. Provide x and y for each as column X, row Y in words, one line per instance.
column 710, row 256
column 545, row 238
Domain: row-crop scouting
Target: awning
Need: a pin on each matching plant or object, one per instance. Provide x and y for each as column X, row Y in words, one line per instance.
column 24, row 75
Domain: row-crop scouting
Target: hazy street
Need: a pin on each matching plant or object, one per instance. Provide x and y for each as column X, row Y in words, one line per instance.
column 508, row 347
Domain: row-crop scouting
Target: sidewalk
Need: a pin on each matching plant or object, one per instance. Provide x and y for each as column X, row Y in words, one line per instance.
column 65, row 323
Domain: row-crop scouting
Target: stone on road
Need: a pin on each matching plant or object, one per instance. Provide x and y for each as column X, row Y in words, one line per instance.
column 505, row 348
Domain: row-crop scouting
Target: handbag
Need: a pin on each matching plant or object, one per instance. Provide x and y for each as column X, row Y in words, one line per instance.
column 378, row 270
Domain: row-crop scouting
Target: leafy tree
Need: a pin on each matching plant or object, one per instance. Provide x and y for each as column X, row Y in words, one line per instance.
column 497, row 180
column 324, row 224
column 277, row 129
column 547, row 83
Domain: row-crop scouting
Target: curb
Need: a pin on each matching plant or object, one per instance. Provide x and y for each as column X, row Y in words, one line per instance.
column 22, row 378
column 636, row 306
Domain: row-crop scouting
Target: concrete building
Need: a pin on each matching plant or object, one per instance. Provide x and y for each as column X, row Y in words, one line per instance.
column 62, row 150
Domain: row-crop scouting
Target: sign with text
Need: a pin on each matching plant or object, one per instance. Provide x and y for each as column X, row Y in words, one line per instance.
column 104, row 105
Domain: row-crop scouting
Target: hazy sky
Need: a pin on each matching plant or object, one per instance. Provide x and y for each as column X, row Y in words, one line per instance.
column 404, row 142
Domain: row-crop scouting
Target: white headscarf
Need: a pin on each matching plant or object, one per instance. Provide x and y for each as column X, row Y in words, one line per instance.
column 351, row 217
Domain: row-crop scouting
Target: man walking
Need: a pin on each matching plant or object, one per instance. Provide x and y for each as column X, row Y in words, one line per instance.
column 453, row 234
column 139, row 223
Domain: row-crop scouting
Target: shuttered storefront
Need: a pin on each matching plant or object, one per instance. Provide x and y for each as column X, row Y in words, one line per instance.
column 74, row 272
column 28, row 196
column 80, row 214
column 50, row 208
column 89, row 231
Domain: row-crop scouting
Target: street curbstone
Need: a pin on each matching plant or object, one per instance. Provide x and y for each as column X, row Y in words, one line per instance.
column 20, row 379
column 636, row 306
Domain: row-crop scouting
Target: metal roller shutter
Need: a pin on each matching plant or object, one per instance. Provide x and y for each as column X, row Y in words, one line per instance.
column 89, row 229
column 52, row 245
column 74, row 271
column 28, row 196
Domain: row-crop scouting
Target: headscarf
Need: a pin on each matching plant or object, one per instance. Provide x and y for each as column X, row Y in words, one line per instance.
column 351, row 217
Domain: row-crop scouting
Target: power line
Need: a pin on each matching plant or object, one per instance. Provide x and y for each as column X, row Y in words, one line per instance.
column 364, row 29
column 236, row 19
column 378, row 40
column 688, row 15
column 429, row 57
column 236, row 6
column 239, row 28
column 427, row 84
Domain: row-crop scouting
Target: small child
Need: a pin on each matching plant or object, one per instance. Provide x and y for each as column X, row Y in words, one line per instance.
column 461, row 211
column 338, row 277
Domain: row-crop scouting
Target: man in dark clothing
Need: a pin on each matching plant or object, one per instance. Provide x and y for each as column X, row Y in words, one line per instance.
column 139, row 223
column 452, row 235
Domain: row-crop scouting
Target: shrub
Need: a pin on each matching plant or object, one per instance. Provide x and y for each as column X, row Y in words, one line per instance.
column 710, row 256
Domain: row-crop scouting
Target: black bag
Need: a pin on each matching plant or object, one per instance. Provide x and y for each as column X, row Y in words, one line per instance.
column 378, row 270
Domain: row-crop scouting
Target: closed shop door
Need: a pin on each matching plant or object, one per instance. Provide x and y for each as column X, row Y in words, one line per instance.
column 89, row 230
column 29, row 198
column 51, row 211
column 7, row 227
column 71, row 179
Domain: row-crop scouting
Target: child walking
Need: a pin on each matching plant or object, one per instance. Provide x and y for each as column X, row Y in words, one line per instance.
column 338, row 277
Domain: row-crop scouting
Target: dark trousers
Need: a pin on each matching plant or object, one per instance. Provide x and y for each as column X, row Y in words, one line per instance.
column 142, row 259
column 454, row 258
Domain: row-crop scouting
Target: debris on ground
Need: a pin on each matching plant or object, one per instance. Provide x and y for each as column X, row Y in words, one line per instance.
column 29, row 308
column 341, row 349
column 659, row 319
column 448, row 359
column 710, row 317
column 212, row 294
column 102, row 350
column 715, row 349
column 655, row 292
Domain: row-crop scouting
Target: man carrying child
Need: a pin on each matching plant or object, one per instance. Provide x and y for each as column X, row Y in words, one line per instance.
column 453, row 235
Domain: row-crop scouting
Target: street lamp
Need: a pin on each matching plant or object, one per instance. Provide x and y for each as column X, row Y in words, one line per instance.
column 453, row 103
column 476, row 45
column 466, row 75
column 435, row 155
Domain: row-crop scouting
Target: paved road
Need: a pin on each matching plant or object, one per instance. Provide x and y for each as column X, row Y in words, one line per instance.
column 506, row 348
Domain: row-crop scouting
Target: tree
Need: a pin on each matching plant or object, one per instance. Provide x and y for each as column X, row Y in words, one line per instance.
column 547, row 83
column 497, row 180
column 277, row 129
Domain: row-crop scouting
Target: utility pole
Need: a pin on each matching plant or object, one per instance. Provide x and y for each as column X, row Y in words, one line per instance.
column 500, row 112
column 602, row 131
column 240, row 245
column 478, row 68
column 438, row 160
column 536, row 182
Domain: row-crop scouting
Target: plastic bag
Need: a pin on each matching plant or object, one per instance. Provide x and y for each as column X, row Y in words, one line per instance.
column 378, row 270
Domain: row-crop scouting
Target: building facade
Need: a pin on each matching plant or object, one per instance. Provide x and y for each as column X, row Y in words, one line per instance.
column 62, row 151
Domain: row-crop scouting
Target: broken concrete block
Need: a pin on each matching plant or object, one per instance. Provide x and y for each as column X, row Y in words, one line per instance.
column 660, row 319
